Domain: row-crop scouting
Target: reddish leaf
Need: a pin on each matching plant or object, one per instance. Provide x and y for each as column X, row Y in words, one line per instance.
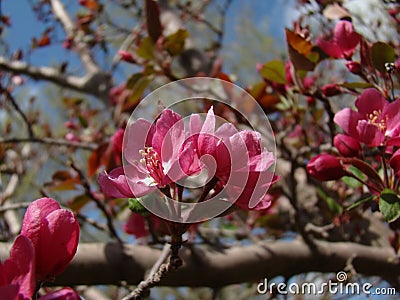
column 299, row 61
column 61, row 176
column 99, row 157
column 153, row 22
column 299, row 43
column 90, row 4
column 44, row 40
column 268, row 102
column 76, row 203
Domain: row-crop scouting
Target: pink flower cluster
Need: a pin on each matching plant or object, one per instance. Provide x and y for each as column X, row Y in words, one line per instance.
column 163, row 153
column 375, row 124
column 47, row 243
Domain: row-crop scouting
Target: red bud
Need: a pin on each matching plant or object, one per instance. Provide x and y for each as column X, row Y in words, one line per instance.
column 346, row 145
column 325, row 167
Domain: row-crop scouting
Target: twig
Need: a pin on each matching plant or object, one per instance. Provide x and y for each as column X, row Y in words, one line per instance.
column 84, row 52
column 14, row 103
column 14, row 206
column 158, row 271
column 100, row 205
column 50, row 141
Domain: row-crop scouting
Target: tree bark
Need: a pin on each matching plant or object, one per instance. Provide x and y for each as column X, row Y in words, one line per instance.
column 97, row 263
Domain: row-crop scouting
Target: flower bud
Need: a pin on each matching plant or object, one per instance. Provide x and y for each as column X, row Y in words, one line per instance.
column 354, row 67
column 330, row 90
column 325, row 167
column 346, row 145
column 126, row 56
column 54, row 233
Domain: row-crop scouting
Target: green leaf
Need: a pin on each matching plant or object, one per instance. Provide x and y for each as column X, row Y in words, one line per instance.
column 382, row 53
column 146, row 49
column 138, row 86
column 133, row 80
column 136, row 206
column 356, row 85
column 274, row 71
column 175, row 43
column 389, row 205
column 332, row 204
column 363, row 199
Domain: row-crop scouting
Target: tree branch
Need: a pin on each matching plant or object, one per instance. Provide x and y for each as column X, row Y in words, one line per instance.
column 95, row 83
column 84, row 52
column 112, row 263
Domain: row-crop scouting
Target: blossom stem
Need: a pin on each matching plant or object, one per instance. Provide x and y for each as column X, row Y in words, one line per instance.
column 208, row 187
column 385, row 169
column 371, row 187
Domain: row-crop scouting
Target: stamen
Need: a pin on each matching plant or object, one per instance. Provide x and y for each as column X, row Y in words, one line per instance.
column 375, row 118
column 152, row 163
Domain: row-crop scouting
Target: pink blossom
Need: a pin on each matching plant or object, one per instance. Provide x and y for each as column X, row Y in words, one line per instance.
column 375, row 120
column 162, row 153
column 241, row 162
column 17, row 274
column 156, row 157
column 345, row 40
column 54, row 233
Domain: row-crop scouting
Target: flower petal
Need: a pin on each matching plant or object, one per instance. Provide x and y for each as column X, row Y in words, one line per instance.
column 59, row 239
column 20, row 266
column 115, row 184
column 348, row 119
column 370, row 101
column 136, row 138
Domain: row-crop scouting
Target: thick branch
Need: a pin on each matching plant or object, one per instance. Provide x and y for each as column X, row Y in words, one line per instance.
column 96, row 84
column 113, row 263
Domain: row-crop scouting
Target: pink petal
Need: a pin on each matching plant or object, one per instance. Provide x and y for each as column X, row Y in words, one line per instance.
column 194, row 124
column 225, row 131
column 138, row 182
column 391, row 113
column 209, row 123
column 167, row 120
column 137, row 136
column 330, row 48
column 115, row 184
column 369, row 101
column 348, row 120
column 34, row 216
column 369, row 134
column 187, row 163
column 20, row 266
column 345, row 36
column 136, row 225
column 253, row 191
column 10, row 292
column 59, row 239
